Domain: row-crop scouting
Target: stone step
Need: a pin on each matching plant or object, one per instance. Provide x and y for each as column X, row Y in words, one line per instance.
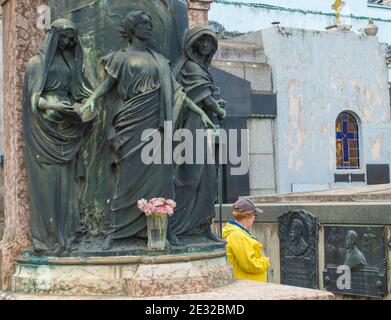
column 239, row 290
column 358, row 194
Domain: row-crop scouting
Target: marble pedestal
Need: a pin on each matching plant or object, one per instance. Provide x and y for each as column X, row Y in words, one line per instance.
column 134, row 276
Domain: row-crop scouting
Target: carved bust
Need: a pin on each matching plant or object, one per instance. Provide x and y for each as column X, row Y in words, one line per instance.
column 354, row 257
column 297, row 245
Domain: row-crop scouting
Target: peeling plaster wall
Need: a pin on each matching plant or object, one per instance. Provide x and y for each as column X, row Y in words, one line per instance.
column 316, row 76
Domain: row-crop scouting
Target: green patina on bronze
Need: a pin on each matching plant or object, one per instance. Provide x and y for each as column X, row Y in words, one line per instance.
column 84, row 153
column 98, row 23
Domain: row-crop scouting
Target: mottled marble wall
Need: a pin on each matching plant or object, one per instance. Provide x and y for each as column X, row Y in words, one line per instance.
column 198, row 12
column 1, row 128
column 21, row 39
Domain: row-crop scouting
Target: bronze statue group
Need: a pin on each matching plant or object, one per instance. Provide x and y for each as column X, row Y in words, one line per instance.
column 143, row 91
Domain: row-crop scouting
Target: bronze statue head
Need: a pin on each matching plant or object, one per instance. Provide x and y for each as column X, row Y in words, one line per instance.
column 200, row 45
column 67, row 33
column 136, row 23
column 205, row 45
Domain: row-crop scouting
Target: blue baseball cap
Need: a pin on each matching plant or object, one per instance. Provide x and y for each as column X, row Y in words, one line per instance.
column 243, row 205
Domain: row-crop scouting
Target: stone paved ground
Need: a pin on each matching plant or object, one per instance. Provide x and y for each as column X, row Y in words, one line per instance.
column 239, row 290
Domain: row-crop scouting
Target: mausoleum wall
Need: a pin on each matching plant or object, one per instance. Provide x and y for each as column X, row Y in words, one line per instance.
column 317, row 75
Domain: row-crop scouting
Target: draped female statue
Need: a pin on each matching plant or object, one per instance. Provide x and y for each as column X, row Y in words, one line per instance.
column 55, row 81
column 196, row 184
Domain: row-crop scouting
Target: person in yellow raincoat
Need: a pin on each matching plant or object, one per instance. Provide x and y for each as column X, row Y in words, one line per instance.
column 244, row 251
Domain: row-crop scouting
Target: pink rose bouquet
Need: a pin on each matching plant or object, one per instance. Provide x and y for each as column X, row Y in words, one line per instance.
column 157, row 206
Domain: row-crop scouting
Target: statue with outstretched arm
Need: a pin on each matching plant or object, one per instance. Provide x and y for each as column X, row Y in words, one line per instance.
column 140, row 87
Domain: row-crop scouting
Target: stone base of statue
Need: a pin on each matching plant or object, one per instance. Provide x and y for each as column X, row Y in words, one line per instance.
column 131, row 275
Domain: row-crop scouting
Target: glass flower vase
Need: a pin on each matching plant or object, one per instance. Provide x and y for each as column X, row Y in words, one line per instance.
column 157, row 231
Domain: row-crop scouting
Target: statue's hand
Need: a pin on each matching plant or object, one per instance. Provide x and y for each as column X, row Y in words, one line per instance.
column 222, row 114
column 89, row 104
column 207, row 122
column 62, row 106
column 222, row 103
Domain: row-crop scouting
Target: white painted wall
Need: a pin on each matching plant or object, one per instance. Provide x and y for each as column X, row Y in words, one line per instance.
column 246, row 19
column 316, row 76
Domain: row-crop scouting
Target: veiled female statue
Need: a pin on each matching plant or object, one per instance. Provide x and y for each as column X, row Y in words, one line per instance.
column 196, row 184
column 141, row 88
column 55, row 81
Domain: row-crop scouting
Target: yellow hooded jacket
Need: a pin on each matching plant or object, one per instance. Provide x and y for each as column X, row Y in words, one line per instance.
column 245, row 254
